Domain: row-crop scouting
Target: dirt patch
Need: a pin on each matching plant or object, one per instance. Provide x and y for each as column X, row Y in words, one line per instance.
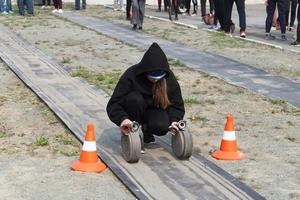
column 267, row 129
column 36, row 151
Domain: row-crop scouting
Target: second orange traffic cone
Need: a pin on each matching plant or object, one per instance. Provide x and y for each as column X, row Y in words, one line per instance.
column 228, row 149
column 89, row 161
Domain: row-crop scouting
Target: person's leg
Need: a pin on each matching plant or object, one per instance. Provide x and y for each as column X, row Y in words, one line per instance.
column 195, row 4
column 211, row 6
column 135, row 106
column 287, row 11
column 141, row 13
column 281, row 11
column 293, row 13
column 135, row 13
column 84, row 4
column 8, row 6
column 21, row 6
column 128, row 7
column 77, row 4
column 1, row 6
column 29, row 4
column 298, row 19
column 227, row 16
column 203, row 7
column 159, row 5
column 59, row 4
column 188, row 6
column 270, row 13
column 240, row 4
column 156, row 122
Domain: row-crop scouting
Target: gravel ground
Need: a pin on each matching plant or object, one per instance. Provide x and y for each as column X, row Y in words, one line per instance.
column 267, row 129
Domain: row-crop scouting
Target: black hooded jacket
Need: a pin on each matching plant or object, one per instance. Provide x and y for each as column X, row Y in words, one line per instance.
column 134, row 79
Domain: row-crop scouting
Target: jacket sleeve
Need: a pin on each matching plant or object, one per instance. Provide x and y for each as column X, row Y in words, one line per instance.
column 176, row 109
column 115, row 107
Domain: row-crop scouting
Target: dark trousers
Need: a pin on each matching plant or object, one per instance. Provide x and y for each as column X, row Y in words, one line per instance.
column 298, row 19
column 77, row 4
column 128, row 7
column 57, row 4
column 240, row 4
column 291, row 5
column 188, row 5
column 203, row 7
column 29, row 5
column 270, row 12
column 44, row 2
column 219, row 12
column 153, row 120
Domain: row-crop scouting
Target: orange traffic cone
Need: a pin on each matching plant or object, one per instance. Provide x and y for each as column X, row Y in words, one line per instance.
column 89, row 161
column 228, row 149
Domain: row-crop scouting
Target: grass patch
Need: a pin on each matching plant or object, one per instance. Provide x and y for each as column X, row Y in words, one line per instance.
column 279, row 102
column 191, row 100
column 2, row 134
column 105, row 80
column 292, row 139
column 64, row 139
column 210, row 101
column 42, row 141
column 290, row 123
column 197, row 150
column 195, row 118
column 66, row 60
column 176, row 63
column 70, row 153
column 221, row 41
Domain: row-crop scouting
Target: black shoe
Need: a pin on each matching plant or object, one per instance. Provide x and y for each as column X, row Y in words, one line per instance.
column 283, row 37
column 148, row 138
column 296, row 43
column 140, row 28
column 134, row 27
column 269, row 37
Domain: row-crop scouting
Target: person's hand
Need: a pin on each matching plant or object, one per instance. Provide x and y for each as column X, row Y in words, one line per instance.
column 126, row 126
column 174, row 126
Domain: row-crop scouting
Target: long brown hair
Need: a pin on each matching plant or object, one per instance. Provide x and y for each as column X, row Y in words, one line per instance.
column 160, row 93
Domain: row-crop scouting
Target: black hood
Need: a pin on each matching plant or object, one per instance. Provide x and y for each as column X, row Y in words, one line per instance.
column 154, row 59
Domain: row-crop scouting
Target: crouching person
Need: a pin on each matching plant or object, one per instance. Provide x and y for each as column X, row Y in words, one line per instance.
column 149, row 94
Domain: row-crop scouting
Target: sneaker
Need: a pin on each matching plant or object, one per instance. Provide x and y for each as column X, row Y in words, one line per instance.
column 283, row 37
column 60, row 11
column 55, row 11
column 296, row 43
column 10, row 12
column 43, row 7
column 270, row 37
column 242, row 34
column 4, row 13
column 140, row 28
column 228, row 34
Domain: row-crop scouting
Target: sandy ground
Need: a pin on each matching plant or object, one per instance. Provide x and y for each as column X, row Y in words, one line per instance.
column 267, row 129
column 30, row 170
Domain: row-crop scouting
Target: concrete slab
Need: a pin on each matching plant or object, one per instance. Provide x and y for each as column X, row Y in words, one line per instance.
column 158, row 175
column 229, row 70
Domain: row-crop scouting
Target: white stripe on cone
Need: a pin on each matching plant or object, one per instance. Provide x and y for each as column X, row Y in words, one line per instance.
column 89, row 146
column 229, row 135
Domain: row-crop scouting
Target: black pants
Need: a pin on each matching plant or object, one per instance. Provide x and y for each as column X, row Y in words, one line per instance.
column 44, row 2
column 298, row 19
column 240, row 4
column 270, row 12
column 153, row 120
column 203, row 7
column 291, row 5
column 128, row 7
column 220, row 12
column 188, row 5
